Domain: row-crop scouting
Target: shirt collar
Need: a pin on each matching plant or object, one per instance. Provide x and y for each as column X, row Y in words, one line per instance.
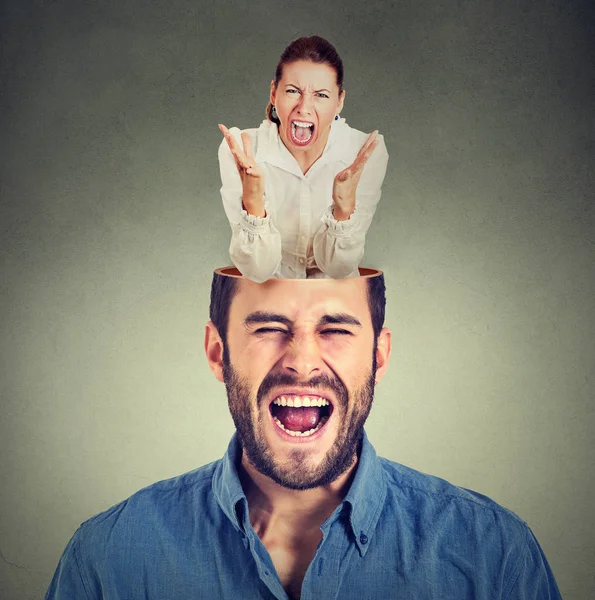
column 271, row 150
column 366, row 496
column 364, row 500
column 226, row 484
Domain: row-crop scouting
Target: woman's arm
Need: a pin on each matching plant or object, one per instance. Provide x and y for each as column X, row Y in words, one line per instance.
column 339, row 244
column 255, row 247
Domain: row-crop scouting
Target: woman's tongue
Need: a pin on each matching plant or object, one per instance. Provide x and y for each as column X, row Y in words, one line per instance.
column 298, row 419
column 302, row 133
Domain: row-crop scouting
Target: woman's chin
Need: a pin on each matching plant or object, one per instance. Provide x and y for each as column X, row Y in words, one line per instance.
column 295, row 145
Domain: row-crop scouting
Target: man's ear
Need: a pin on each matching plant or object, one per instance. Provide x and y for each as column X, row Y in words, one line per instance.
column 214, row 350
column 383, row 348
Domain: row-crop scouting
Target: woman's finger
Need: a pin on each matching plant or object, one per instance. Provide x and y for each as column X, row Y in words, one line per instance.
column 241, row 159
column 363, row 155
column 227, row 135
column 233, row 145
column 244, row 160
column 371, row 139
column 231, row 142
column 343, row 175
column 247, row 142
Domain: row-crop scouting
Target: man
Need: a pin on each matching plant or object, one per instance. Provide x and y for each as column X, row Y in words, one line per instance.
column 300, row 506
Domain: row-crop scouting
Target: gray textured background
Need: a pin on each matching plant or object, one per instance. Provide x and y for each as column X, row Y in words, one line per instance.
column 111, row 223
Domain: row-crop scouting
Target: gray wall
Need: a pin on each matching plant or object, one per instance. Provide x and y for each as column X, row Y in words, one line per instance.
column 111, row 224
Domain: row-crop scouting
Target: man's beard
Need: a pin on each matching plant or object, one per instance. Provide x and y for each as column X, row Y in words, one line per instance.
column 296, row 473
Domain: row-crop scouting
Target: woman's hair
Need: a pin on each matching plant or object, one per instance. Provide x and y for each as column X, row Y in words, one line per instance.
column 313, row 48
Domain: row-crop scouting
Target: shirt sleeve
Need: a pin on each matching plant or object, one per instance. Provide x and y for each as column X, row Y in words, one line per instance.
column 68, row 582
column 339, row 245
column 534, row 579
column 255, row 247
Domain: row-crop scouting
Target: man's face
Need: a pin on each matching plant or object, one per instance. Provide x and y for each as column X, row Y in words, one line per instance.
column 300, row 370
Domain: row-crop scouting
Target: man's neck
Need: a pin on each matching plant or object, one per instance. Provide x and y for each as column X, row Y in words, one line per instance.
column 288, row 521
column 270, row 502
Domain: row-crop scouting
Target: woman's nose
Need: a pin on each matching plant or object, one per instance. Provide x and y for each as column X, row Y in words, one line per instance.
column 305, row 105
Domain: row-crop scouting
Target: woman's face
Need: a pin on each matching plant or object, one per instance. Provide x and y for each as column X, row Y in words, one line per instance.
column 307, row 99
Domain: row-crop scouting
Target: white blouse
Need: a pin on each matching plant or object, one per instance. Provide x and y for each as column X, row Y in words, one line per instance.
column 299, row 236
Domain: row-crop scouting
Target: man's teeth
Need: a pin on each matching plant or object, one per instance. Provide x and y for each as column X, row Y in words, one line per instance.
column 301, row 433
column 299, row 401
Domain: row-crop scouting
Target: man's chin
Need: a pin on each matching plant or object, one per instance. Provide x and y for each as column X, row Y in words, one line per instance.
column 299, row 464
column 301, row 468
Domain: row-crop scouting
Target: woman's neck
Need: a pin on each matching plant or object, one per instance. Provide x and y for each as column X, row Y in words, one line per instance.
column 306, row 157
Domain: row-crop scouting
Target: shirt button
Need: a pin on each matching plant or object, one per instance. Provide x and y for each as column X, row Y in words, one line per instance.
column 302, row 260
column 363, row 538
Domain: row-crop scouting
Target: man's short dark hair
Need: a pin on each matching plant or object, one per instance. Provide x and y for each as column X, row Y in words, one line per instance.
column 224, row 288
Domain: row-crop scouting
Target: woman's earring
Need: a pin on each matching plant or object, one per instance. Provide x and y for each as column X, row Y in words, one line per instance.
column 274, row 113
column 336, row 117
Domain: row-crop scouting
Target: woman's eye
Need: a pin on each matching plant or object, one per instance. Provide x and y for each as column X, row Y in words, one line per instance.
column 292, row 91
column 322, row 95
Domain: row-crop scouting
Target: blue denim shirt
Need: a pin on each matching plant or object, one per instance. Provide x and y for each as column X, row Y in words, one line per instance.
column 398, row 534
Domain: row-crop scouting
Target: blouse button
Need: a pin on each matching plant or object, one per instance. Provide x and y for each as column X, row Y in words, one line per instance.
column 302, row 260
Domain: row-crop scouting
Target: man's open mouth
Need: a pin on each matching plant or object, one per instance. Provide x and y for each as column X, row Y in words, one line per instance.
column 300, row 416
column 302, row 132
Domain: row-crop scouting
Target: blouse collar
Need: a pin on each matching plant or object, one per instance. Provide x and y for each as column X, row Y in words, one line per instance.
column 271, row 150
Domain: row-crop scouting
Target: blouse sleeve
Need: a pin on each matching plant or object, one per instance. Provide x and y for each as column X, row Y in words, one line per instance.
column 339, row 245
column 255, row 247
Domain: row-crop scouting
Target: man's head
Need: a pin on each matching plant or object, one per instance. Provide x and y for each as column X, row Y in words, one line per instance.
column 286, row 343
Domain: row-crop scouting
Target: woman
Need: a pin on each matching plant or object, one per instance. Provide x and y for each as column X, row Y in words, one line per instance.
column 295, row 190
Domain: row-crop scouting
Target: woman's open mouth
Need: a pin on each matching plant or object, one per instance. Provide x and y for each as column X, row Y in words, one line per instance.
column 301, row 132
column 300, row 416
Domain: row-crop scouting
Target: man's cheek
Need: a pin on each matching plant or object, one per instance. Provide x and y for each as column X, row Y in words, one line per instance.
column 254, row 359
column 342, row 354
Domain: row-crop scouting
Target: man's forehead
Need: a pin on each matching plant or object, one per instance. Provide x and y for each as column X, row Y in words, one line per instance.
column 300, row 299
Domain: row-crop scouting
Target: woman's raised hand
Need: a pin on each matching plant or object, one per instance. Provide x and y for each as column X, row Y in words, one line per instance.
column 250, row 173
column 346, row 181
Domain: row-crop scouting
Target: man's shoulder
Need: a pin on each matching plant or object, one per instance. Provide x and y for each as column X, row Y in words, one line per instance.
column 459, row 531
column 426, row 493
column 165, row 503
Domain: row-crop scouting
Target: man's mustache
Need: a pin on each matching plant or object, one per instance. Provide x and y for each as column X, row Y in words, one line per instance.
column 318, row 382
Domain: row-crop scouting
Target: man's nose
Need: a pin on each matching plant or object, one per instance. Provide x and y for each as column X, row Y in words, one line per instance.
column 302, row 356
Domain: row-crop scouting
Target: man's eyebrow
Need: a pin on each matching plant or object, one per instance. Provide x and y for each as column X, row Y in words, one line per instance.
column 339, row 319
column 260, row 316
